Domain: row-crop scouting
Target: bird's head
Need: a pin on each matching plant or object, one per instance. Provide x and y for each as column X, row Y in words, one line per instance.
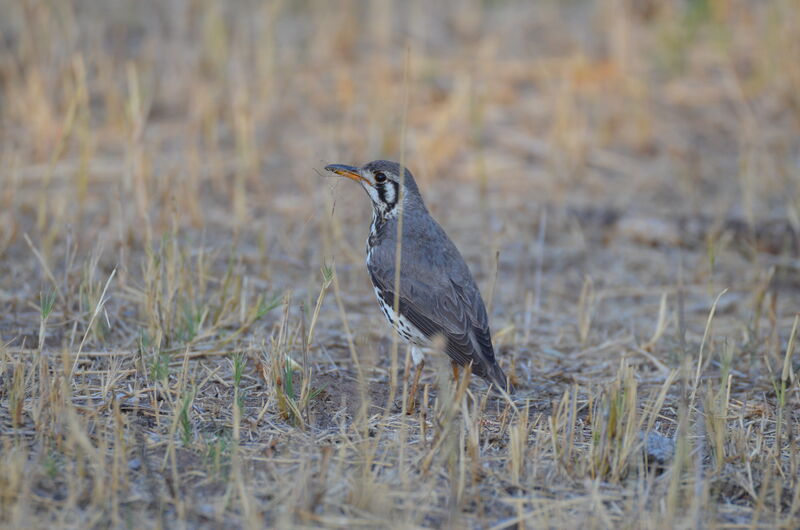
column 383, row 183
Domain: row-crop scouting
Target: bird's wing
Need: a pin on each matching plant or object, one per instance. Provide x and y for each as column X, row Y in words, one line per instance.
column 445, row 309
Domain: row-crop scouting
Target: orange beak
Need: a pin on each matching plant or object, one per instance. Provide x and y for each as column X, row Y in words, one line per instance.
column 347, row 171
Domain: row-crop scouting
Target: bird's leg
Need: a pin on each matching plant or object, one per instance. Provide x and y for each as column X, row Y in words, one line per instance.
column 455, row 371
column 412, row 395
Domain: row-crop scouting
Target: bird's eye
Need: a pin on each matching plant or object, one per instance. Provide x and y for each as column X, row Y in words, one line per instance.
column 380, row 177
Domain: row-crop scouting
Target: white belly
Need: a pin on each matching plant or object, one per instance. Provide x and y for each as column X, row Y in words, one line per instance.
column 406, row 330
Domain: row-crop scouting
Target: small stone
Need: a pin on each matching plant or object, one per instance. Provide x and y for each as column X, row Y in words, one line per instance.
column 658, row 449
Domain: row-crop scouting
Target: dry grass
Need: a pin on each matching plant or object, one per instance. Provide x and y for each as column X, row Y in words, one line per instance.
column 188, row 336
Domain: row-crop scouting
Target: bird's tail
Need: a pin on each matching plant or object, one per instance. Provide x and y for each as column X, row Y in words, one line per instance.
column 496, row 376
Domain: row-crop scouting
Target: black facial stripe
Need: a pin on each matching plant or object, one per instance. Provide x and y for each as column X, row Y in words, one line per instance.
column 382, row 195
column 381, row 192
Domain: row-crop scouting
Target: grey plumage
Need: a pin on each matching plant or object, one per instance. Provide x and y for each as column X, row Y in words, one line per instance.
column 438, row 295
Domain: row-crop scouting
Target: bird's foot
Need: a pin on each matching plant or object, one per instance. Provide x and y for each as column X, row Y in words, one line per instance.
column 411, row 404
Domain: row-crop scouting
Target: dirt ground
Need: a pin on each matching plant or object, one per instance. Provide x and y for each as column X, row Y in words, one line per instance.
column 189, row 337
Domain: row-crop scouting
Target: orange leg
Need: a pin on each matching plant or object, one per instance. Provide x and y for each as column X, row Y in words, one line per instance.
column 412, row 396
column 455, row 371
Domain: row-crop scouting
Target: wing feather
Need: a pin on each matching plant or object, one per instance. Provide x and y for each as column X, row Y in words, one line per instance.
column 445, row 310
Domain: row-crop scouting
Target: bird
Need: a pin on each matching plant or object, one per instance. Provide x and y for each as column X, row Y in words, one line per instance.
column 438, row 296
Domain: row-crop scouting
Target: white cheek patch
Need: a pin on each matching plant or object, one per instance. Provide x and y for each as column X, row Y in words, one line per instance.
column 389, row 193
column 372, row 192
column 384, row 196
